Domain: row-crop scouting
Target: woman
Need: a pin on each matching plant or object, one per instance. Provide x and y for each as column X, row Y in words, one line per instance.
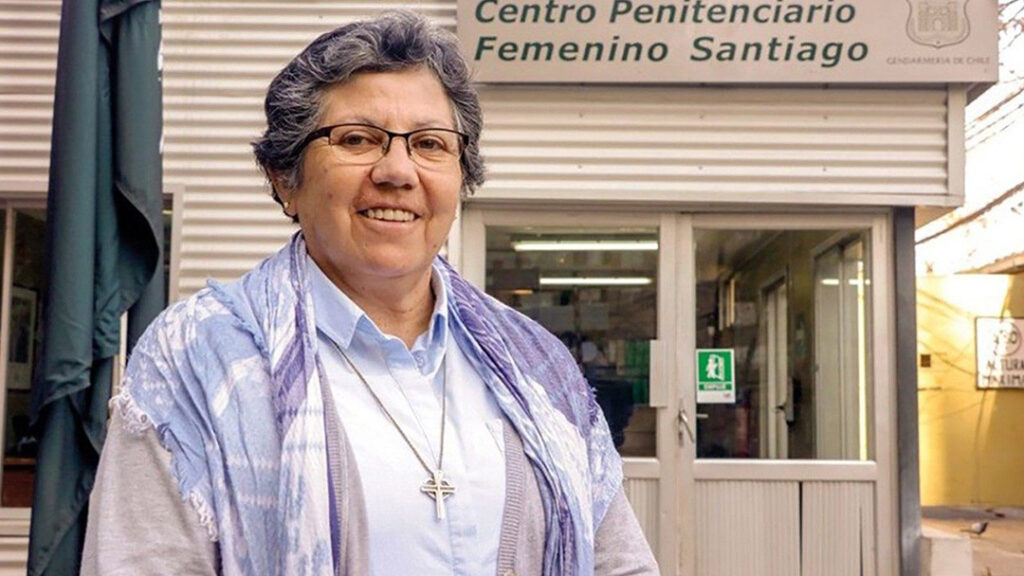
column 352, row 406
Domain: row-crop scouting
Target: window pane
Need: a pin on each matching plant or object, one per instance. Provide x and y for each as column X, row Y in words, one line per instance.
column 22, row 347
column 596, row 289
column 793, row 310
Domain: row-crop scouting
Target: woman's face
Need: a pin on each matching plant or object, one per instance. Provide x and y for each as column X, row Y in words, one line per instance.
column 341, row 207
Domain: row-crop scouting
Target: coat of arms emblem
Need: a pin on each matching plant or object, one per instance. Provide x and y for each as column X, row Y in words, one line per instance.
column 938, row 23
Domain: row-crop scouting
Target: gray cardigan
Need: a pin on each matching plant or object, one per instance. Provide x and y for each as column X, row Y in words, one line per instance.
column 140, row 525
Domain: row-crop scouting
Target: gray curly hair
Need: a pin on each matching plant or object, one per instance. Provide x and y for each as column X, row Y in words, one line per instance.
column 394, row 41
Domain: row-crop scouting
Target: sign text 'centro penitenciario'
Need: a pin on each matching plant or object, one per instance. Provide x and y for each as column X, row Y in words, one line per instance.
column 729, row 40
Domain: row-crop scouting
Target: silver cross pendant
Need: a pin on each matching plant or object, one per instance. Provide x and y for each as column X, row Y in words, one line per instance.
column 438, row 488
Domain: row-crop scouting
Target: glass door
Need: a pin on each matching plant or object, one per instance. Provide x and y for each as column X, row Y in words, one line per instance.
column 602, row 284
column 596, row 289
column 786, row 365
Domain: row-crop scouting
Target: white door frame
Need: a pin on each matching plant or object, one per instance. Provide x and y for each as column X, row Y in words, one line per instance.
column 471, row 253
column 850, row 410
column 775, row 379
column 882, row 470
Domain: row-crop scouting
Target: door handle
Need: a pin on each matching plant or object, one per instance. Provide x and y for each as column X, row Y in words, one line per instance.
column 684, row 427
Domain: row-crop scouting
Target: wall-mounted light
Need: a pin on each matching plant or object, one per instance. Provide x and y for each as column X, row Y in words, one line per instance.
column 850, row 281
column 595, row 281
column 585, row 245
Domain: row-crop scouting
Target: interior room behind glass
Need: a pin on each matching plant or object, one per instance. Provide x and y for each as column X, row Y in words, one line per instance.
column 794, row 306
column 596, row 289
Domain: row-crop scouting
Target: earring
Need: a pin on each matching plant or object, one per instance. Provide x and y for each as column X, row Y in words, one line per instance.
column 286, row 204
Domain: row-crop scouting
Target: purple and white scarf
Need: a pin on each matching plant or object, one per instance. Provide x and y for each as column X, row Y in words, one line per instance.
column 229, row 379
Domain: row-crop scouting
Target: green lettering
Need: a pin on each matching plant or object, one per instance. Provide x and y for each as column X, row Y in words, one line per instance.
column 642, row 14
column 862, row 51
column 700, row 44
column 666, row 13
column 530, row 13
column 748, row 47
column 591, row 47
column 661, row 53
column 507, row 13
column 620, row 8
column 794, row 15
column 483, row 44
column 831, row 54
column 568, row 52
column 536, row 48
column 808, row 52
column 635, row 47
column 507, row 51
column 716, row 13
column 480, row 11
column 728, row 52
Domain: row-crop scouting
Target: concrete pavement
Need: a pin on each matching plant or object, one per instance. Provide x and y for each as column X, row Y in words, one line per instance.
column 997, row 552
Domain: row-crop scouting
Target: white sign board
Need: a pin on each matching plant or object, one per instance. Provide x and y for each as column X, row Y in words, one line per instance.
column 1000, row 351
column 731, row 41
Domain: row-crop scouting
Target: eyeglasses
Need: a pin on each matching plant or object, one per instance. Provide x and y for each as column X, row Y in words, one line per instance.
column 363, row 144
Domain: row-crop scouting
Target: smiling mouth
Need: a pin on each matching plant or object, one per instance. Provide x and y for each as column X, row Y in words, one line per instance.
column 388, row 214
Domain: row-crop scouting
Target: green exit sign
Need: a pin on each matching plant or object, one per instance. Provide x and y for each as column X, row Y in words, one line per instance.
column 716, row 376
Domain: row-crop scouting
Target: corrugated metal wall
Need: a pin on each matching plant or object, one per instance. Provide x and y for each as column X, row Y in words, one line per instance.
column 762, row 145
column 28, row 63
column 13, row 555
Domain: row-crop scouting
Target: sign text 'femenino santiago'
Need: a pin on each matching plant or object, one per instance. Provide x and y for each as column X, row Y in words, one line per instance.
column 733, row 41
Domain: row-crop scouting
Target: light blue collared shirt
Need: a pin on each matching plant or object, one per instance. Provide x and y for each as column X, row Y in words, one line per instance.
column 405, row 535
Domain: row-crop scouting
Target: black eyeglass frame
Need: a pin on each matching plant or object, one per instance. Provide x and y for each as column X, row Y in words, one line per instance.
column 326, row 132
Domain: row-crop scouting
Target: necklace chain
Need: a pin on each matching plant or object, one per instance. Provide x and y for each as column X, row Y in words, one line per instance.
column 436, row 486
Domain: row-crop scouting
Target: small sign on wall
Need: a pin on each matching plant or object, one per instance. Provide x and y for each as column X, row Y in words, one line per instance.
column 716, row 376
column 1000, row 352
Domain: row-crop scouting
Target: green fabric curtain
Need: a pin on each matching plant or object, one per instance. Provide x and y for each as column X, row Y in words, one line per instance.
column 104, row 245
